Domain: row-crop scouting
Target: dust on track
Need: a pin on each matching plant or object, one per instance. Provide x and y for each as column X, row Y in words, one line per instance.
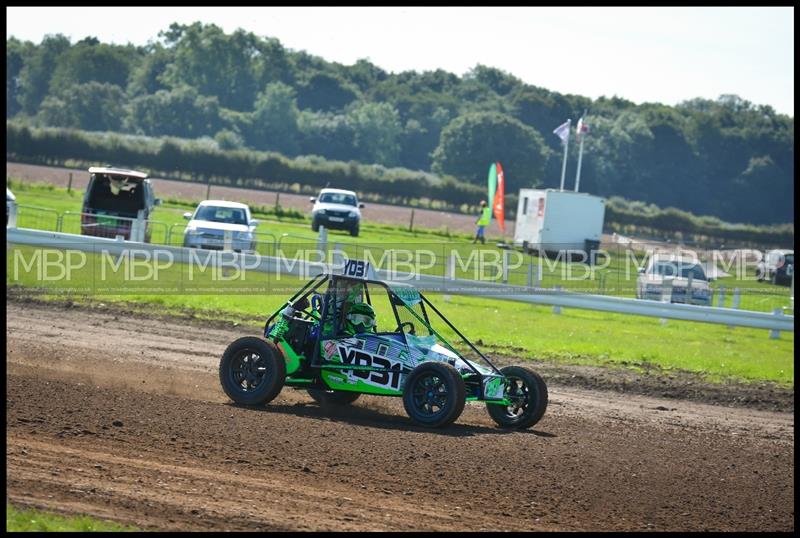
column 120, row 415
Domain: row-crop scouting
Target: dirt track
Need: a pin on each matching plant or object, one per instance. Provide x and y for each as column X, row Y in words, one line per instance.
column 121, row 416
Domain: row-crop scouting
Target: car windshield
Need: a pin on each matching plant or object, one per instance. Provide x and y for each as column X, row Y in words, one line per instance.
column 677, row 269
column 337, row 198
column 228, row 215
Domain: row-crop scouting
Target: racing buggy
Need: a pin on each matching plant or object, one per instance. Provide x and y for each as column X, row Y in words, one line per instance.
column 325, row 339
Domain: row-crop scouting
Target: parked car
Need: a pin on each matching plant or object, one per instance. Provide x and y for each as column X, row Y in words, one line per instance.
column 213, row 219
column 114, row 198
column 651, row 285
column 336, row 209
column 10, row 201
column 777, row 266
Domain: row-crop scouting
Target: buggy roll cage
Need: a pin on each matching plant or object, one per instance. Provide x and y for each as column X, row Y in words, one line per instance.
column 321, row 278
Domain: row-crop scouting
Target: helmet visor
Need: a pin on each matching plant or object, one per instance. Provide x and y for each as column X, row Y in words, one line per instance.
column 361, row 319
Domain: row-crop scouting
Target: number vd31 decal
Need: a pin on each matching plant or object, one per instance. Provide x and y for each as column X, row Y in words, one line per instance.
column 358, row 357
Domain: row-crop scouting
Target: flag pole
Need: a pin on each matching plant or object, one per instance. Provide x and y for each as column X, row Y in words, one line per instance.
column 564, row 164
column 578, row 175
column 580, row 154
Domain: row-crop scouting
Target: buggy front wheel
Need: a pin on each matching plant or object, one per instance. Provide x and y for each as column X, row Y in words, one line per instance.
column 527, row 392
column 434, row 394
column 252, row 371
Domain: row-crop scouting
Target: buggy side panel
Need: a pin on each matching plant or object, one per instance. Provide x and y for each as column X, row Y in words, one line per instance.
column 380, row 362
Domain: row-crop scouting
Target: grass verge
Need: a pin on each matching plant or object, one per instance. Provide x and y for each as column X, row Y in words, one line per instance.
column 31, row 520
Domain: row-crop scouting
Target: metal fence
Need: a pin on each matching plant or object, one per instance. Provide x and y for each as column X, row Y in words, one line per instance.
column 447, row 282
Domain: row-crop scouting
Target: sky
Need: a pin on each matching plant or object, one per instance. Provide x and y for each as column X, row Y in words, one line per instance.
column 643, row 54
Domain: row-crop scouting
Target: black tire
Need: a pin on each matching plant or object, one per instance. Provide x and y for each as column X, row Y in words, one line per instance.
column 354, row 231
column 314, row 225
column 333, row 398
column 252, row 371
column 530, row 391
column 434, row 385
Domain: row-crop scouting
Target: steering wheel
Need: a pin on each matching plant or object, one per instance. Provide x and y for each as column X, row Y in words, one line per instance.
column 301, row 307
column 411, row 331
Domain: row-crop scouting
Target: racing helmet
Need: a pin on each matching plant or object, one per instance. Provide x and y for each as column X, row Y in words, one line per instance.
column 360, row 319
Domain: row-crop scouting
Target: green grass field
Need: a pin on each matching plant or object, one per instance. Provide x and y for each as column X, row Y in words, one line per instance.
column 28, row 520
column 574, row 336
column 287, row 236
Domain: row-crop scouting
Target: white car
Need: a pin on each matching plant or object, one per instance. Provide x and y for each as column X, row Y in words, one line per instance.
column 336, row 209
column 217, row 222
column 651, row 285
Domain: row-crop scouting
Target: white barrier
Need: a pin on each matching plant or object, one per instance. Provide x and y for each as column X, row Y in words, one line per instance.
column 775, row 321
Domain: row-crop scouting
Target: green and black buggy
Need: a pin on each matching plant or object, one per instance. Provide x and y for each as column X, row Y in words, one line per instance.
column 325, row 340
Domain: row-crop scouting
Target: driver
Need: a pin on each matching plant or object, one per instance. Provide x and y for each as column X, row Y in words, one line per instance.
column 360, row 318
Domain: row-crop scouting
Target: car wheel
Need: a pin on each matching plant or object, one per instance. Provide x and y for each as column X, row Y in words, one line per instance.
column 252, row 371
column 527, row 392
column 354, row 231
column 434, row 394
column 315, row 225
column 333, row 398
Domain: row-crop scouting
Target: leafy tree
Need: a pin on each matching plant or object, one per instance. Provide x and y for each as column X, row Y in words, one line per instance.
column 213, row 63
column 325, row 92
column 327, row 134
column 498, row 81
column 274, row 121
column 90, row 60
column 364, row 74
column 272, row 63
column 179, row 112
column 470, row 143
column 377, row 131
column 228, row 140
column 148, row 76
column 16, row 52
column 34, row 78
column 93, row 106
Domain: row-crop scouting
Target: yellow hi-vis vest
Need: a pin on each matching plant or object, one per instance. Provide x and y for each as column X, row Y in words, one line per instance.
column 486, row 216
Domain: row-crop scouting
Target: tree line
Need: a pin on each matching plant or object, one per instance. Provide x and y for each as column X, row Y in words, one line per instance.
column 203, row 160
column 727, row 158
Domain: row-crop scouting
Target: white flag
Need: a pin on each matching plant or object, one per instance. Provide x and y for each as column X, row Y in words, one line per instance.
column 562, row 131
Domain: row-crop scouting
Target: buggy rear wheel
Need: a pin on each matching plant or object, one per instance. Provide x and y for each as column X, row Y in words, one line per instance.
column 252, row 371
column 333, row 398
column 527, row 392
column 434, row 394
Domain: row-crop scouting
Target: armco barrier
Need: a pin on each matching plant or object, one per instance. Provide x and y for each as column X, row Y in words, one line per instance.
column 270, row 264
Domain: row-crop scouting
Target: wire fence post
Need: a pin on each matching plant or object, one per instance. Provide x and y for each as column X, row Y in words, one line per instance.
column 411, row 223
column 69, row 184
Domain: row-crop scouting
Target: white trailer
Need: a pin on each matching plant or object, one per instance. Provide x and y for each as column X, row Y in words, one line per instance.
column 551, row 220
